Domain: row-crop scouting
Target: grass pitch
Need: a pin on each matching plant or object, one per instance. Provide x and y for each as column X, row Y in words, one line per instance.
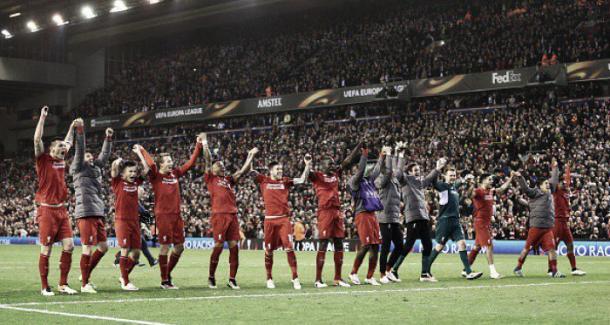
column 535, row 299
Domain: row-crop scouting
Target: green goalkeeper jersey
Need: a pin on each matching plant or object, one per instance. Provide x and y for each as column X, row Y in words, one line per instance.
column 449, row 199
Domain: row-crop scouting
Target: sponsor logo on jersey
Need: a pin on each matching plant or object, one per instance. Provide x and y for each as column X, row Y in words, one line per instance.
column 129, row 188
column 223, row 183
column 169, row 180
column 330, row 179
column 276, row 186
column 59, row 165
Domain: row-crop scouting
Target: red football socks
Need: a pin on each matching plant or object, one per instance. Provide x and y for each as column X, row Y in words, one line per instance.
column 43, row 269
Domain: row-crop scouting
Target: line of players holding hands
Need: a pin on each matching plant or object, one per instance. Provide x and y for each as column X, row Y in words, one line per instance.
column 380, row 192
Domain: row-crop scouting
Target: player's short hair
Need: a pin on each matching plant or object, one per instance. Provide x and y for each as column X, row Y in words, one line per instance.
column 272, row 164
column 128, row 163
column 450, row 169
column 160, row 157
column 53, row 140
column 411, row 166
column 483, row 176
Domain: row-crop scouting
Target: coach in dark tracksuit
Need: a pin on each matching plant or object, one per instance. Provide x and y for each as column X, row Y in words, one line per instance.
column 389, row 217
column 90, row 208
column 541, row 220
column 416, row 213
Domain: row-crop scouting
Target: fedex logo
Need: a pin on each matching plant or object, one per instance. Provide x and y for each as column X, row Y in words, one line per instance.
column 504, row 78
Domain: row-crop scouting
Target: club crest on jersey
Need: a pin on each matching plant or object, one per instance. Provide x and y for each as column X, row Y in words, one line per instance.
column 276, row 186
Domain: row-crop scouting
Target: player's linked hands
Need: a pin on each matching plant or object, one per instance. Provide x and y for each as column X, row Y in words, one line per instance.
column 136, row 148
column 109, row 132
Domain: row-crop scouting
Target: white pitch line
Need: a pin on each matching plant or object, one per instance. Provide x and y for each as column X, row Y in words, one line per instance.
column 104, row 318
column 305, row 294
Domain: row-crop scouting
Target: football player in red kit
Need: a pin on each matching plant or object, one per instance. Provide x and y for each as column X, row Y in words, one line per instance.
column 51, row 202
column 125, row 182
column 275, row 189
column 225, row 226
column 331, row 226
column 164, row 179
column 483, row 201
column 561, row 231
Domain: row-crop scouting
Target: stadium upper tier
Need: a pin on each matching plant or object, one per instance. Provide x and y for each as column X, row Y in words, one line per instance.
column 401, row 39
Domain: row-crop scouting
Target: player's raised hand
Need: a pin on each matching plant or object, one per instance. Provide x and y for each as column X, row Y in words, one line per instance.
column 386, row 151
column 44, row 111
column 78, row 122
column 253, row 151
column 136, row 148
column 441, row 163
column 469, row 178
column 203, row 139
column 307, row 159
column 109, row 132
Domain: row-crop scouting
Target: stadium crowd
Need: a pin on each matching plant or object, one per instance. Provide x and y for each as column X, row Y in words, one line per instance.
column 353, row 46
column 524, row 134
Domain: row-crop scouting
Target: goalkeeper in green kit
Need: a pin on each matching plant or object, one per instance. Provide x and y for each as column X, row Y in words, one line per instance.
column 448, row 222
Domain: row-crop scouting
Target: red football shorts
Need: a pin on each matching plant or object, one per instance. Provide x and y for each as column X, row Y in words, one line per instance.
column 483, row 234
column 128, row 233
column 542, row 237
column 225, row 227
column 368, row 228
column 562, row 232
column 92, row 230
column 330, row 224
column 170, row 229
column 278, row 233
column 53, row 224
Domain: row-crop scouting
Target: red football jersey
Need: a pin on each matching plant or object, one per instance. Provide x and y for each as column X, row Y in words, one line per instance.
column 51, row 180
column 483, row 205
column 126, row 198
column 167, row 190
column 327, row 189
column 275, row 195
column 561, row 199
column 222, row 193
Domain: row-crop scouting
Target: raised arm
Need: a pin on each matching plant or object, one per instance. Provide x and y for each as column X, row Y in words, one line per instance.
column 38, row 145
column 530, row 192
column 305, row 173
column 246, row 165
column 79, row 151
column 207, row 155
column 354, row 181
column 352, row 155
column 433, row 175
column 506, row 185
column 184, row 168
column 69, row 139
column 102, row 159
column 554, row 181
column 114, row 168
column 386, row 175
column 377, row 168
column 147, row 161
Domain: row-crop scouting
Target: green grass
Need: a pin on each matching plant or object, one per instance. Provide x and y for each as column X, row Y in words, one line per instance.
column 573, row 300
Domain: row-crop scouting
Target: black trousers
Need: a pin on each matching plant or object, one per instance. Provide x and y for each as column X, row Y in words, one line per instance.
column 390, row 233
column 418, row 229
